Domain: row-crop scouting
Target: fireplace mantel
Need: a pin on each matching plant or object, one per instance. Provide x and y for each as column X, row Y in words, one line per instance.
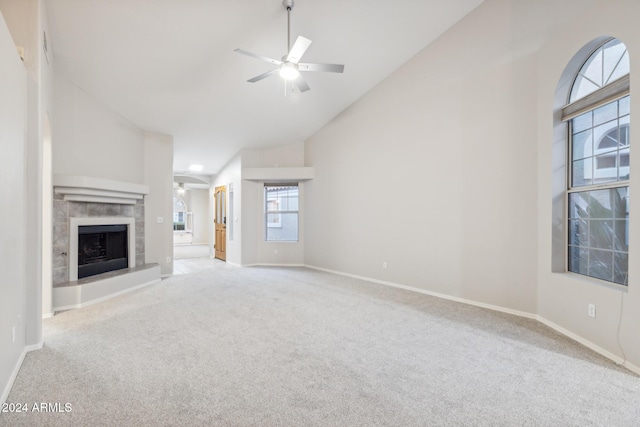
column 89, row 189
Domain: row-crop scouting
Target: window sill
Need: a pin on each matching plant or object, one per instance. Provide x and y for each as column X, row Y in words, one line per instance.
column 594, row 281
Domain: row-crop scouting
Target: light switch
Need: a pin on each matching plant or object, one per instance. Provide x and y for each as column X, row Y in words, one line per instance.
column 160, row 220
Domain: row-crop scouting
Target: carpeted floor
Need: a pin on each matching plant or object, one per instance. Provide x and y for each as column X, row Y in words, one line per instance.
column 224, row 346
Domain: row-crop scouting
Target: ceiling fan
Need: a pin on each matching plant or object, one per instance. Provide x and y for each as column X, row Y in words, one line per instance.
column 290, row 66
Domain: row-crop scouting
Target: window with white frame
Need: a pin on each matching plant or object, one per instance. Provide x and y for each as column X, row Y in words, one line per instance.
column 598, row 190
column 281, row 212
column 182, row 220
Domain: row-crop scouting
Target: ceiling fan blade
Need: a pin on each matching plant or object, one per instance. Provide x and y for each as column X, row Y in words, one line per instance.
column 299, row 48
column 301, row 84
column 263, row 76
column 260, row 57
column 327, row 68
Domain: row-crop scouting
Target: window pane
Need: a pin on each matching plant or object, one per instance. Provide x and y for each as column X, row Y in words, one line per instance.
column 600, row 204
column 223, row 208
column 582, row 122
column 622, row 69
column 598, row 233
column 578, row 203
column 605, row 113
column 624, row 157
column 608, row 63
column 621, row 235
column 601, row 234
column 624, row 131
column 620, row 198
column 624, row 106
column 606, row 135
column 593, row 68
column 281, row 219
column 601, row 264
column 582, row 144
column 287, row 229
column 293, row 203
column 578, row 260
column 606, row 161
column 623, row 163
column 613, row 52
column 578, row 232
column 582, row 172
column 621, row 268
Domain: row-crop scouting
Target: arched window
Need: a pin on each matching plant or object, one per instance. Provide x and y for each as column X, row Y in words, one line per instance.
column 598, row 190
column 181, row 218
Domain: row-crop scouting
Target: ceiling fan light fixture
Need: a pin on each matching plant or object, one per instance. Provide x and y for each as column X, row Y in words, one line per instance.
column 289, row 71
column 290, row 66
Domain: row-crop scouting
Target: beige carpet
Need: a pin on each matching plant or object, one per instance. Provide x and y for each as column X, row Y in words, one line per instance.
column 224, row 346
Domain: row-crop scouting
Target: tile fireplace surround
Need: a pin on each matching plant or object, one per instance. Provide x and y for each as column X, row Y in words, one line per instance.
column 81, row 200
column 63, row 210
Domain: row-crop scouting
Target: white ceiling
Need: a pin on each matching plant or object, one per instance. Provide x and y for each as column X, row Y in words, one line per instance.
column 168, row 66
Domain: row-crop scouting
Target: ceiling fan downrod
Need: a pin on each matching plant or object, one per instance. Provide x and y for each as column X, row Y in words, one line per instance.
column 288, row 4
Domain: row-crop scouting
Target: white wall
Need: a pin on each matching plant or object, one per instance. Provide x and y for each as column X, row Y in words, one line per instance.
column 291, row 155
column 158, row 204
column 429, row 173
column 255, row 249
column 92, row 140
column 563, row 298
column 444, row 171
column 14, row 289
column 45, row 145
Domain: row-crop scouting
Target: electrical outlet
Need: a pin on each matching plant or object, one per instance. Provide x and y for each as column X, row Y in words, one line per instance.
column 384, row 265
column 168, row 259
column 591, row 310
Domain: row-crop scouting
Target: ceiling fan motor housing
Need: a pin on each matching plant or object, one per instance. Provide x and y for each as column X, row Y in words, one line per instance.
column 288, row 4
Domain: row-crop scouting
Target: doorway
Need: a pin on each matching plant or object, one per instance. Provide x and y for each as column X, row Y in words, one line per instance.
column 220, row 222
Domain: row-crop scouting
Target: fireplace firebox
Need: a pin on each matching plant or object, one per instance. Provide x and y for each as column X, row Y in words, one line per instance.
column 102, row 248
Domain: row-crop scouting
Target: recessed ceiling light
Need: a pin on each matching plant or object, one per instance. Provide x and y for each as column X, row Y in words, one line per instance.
column 195, row 168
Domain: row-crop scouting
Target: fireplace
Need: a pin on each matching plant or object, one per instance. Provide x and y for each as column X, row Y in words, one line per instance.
column 101, row 248
column 100, row 244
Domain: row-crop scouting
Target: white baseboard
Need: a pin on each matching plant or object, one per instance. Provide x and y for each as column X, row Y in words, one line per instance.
column 34, row 347
column 430, row 293
column 616, row 359
column 266, row 264
column 16, row 369
column 601, row 351
column 12, row 378
column 47, row 315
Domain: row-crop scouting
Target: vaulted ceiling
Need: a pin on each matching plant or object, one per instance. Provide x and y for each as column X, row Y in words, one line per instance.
column 169, row 66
